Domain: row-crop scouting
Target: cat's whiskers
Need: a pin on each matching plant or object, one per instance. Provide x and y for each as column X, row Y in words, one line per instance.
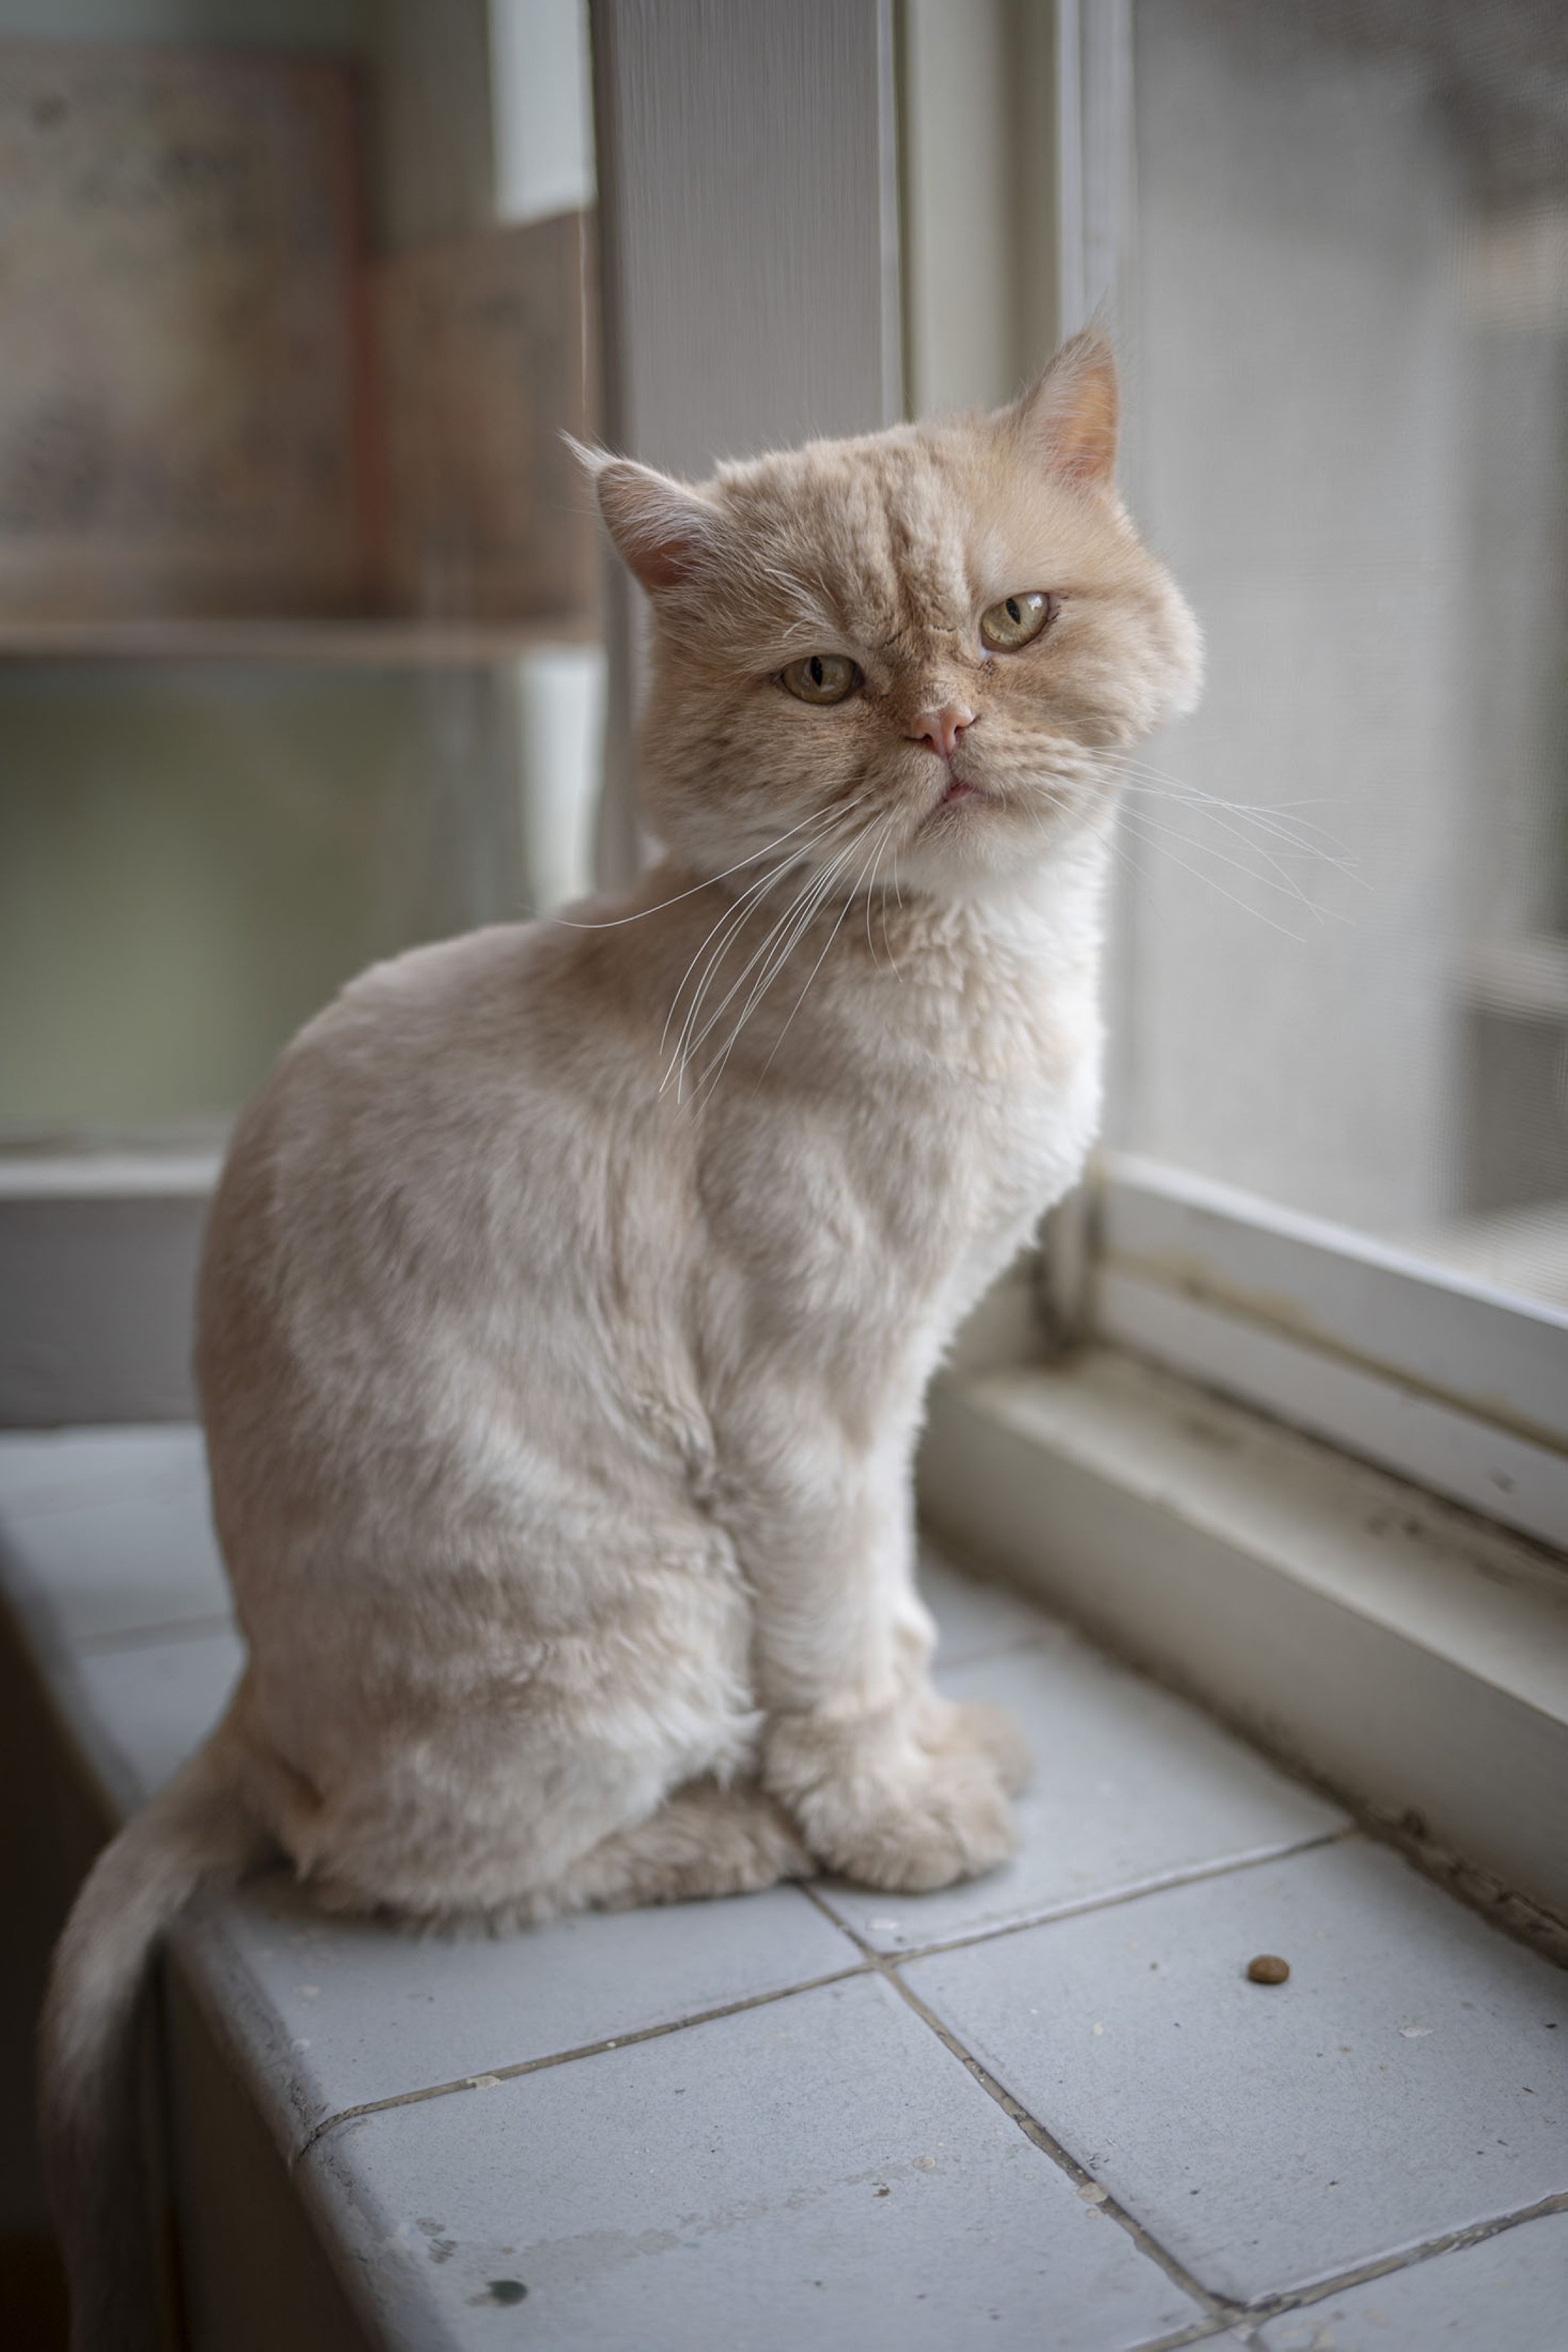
column 732, row 919
column 1277, row 835
column 898, row 894
column 1281, row 821
column 812, row 975
column 795, row 922
column 1184, row 785
column 730, row 923
column 815, row 881
column 1130, row 817
column 1252, row 830
column 879, row 839
column 739, row 908
column 1281, row 879
column 883, row 841
column 616, row 921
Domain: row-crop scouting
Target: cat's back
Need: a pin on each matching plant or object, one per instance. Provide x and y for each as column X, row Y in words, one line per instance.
column 447, row 1100
column 431, row 1052
column 435, row 1019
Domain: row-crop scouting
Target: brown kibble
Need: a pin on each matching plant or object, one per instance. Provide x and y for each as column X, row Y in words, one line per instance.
column 1267, row 1968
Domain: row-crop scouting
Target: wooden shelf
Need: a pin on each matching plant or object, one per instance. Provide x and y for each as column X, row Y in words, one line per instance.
column 370, row 644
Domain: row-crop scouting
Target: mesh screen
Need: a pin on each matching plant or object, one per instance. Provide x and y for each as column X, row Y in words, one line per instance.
column 1344, row 952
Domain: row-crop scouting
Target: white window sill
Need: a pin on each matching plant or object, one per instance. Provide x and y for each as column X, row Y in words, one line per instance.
column 1413, row 1657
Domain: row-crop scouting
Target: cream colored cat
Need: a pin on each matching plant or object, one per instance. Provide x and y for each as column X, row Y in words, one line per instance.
column 573, row 1288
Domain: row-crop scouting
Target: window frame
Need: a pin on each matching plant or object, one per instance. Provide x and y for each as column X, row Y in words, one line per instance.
column 1451, row 1384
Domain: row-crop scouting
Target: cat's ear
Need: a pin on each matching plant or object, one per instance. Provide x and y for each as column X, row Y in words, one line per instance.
column 666, row 534
column 1068, row 419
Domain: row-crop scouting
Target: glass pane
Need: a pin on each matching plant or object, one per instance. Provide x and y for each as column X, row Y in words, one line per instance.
column 1345, row 950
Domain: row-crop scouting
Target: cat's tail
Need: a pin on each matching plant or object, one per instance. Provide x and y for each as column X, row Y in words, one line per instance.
column 196, row 1830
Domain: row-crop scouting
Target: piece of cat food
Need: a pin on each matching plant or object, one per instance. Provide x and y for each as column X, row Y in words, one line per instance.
column 1267, row 1968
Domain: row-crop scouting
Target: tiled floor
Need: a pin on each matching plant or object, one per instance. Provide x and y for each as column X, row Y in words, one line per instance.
column 1048, row 2109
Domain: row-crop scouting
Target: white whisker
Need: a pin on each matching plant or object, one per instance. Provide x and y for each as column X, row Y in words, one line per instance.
column 1302, row 835
column 736, row 917
column 882, row 839
column 810, row 976
column 1285, row 883
column 615, row 921
column 1129, row 816
column 739, row 913
column 778, row 962
column 813, row 890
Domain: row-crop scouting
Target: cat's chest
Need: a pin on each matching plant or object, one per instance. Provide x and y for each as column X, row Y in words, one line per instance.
column 912, row 1169
column 993, row 1137
column 997, row 1082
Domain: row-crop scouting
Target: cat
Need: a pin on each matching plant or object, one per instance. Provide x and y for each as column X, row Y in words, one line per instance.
column 572, row 1287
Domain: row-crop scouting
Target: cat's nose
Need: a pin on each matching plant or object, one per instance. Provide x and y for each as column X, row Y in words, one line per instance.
column 940, row 729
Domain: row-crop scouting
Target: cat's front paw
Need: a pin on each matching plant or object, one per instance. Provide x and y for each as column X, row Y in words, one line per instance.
column 888, row 1811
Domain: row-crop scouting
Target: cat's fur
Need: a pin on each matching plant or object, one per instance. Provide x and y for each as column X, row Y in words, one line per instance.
column 559, row 1412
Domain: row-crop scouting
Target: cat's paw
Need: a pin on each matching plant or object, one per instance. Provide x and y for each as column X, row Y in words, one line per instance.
column 951, row 1822
column 956, row 1727
column 892, row 1815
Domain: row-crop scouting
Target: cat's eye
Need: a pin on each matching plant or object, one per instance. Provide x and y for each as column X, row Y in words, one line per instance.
column 1017, row 620
column 821, row 677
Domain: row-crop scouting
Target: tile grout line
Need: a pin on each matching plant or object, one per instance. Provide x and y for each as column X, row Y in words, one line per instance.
column 1223, row 2312
column 1035, row 2131
column 492, row 2074
column 1258, row 2315
column 870, row 1961
column 1197, row 1876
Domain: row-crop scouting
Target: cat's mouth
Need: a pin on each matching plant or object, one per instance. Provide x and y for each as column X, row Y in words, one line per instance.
column 959, row 788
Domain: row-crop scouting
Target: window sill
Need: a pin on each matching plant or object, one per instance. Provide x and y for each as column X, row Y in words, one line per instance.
column 1412, row 1657
column 423, row 2128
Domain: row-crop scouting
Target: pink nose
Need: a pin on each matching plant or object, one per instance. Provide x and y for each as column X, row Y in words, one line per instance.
column 940, row 729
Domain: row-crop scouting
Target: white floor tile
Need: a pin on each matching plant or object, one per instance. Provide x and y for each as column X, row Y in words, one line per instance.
column 816, row 2173
column 1410, row 2079
column 334, row 2014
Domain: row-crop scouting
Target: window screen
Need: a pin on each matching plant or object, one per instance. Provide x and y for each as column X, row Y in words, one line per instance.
column 1344, row 952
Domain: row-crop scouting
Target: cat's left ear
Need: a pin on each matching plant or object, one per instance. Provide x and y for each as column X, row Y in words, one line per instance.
column 666, row 534
column 1068, row 419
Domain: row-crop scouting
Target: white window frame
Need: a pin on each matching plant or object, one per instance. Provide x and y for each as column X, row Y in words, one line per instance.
column 1451, row 1384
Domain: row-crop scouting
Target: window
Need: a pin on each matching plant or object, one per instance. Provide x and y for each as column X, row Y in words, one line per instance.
column 299, row 658
column 1335, row 243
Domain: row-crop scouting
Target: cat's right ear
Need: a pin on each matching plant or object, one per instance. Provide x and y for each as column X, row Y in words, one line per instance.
column 666, row 534
column 1068, row 419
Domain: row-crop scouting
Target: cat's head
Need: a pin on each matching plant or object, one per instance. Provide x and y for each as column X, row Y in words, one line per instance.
column 934, row 639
